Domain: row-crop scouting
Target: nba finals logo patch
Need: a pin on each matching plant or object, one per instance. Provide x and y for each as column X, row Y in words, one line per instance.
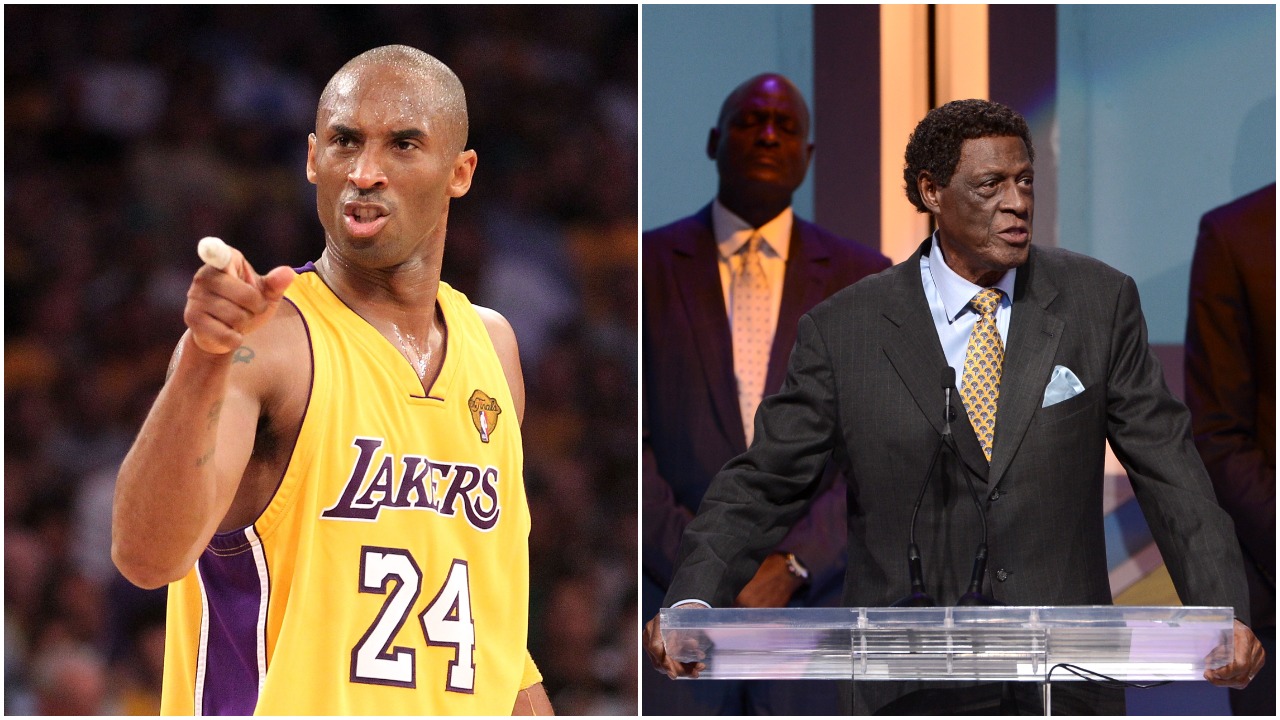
column 484, row 414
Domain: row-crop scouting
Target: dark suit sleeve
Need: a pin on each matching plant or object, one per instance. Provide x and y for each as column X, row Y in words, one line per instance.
column 1222, row 392
column 758, row 495
column 820, row 539
column 1150, row 432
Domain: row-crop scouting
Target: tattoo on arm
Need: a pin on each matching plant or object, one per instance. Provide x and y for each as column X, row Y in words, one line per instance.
column 214, row 413
column 244, row 354
column 204, row 459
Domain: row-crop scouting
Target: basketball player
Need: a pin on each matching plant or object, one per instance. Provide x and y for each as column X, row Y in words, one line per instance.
column 331, row 480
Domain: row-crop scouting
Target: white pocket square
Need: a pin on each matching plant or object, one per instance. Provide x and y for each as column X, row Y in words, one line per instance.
column 1063, row 385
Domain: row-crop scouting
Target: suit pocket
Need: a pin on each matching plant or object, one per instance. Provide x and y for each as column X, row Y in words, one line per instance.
column 1069, row 408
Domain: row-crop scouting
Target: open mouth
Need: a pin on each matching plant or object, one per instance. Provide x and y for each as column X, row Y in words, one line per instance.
column 1015, row 235
column 364, row 220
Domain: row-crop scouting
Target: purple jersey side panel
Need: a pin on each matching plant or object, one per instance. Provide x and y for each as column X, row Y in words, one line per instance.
column 235, row 586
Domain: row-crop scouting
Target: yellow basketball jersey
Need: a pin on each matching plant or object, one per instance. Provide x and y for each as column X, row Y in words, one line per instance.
column 389, row 575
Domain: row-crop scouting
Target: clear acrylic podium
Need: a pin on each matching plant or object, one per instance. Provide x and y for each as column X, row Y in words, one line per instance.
column 951, row 643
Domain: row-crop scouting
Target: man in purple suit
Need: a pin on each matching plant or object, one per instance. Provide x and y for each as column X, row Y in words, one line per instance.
column 1231, row 390
column 723, row 292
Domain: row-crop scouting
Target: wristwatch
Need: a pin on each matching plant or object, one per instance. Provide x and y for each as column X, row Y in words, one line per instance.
column 795, row 567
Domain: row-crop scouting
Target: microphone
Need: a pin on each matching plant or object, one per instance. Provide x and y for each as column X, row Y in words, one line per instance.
column 973, row 596
column 919, row 597
column 948, row 382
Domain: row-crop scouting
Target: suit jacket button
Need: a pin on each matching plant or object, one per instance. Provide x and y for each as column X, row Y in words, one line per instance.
column 1002, row 575
column 995, row 495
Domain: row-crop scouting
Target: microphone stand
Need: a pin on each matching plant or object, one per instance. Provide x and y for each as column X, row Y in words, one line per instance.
column 973, row 596
column 919, row 597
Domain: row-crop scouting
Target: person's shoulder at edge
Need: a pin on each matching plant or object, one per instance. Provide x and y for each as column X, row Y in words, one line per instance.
column 854, row 250
column 1260, row 201
column 699, row 220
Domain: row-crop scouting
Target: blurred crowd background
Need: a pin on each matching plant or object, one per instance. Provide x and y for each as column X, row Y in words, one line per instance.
column 131, row 132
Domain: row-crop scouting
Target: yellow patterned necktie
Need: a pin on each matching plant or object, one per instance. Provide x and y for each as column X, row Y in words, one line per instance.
column 752, row 335
column 980, row 386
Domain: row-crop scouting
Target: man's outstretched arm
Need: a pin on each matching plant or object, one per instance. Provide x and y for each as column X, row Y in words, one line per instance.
column 182, row 473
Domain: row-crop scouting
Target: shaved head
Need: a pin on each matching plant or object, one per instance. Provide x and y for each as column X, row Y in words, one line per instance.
column 765, row 81
column 761, row 148
column 439, row 88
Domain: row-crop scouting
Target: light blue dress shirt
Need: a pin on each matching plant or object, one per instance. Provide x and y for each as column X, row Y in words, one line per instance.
column 949, row 295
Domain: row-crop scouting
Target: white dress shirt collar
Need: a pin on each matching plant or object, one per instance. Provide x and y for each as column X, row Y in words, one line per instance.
column 732, row 232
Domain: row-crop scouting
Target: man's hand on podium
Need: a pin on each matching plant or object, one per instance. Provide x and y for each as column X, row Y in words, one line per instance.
column 657, row 650
column 1249, row 659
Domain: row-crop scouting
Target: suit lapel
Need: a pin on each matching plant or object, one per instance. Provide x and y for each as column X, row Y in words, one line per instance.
column 1034, row 334
column 697, row 275
column 808, row 272
column 911, row 342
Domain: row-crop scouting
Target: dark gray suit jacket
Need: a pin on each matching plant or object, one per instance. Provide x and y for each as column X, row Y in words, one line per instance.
column 864, row 386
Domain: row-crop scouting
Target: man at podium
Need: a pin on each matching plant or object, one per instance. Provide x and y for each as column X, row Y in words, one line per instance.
column 1024, row 362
